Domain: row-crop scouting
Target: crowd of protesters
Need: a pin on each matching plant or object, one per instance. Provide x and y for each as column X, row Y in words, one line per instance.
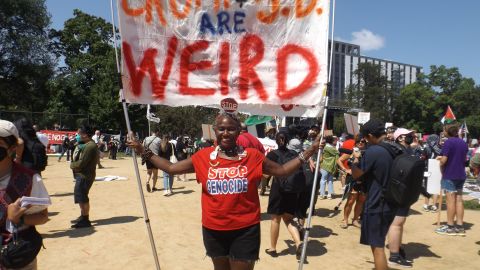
column 287, row 161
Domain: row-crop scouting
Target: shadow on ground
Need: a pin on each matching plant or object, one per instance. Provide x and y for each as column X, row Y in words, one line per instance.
column 466, row 225
column 314, row 248
column 76, row 233
column 417, row 250
column 319, row 231
column 62, row 194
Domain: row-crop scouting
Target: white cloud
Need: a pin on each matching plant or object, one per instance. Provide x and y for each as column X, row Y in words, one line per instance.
column 367, row 40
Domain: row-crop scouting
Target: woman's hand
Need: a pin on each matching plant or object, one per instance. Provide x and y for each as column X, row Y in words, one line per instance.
column 15, row 212
column 316, row 144
column 135, row 144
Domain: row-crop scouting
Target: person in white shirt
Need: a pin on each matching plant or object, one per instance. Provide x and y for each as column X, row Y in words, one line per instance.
column 41, row 136
column 97, row 138
column 24, row 183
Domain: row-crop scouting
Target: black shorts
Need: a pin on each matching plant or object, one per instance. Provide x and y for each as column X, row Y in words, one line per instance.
column 150, row 165
column 375, row 228
column 82, row 188
column 402, row 212
column 242, row 244
column 280, row 202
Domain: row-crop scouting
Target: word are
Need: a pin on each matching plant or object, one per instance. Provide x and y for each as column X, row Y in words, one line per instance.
column 230, row 186
column 250, row 56
column 232, row 172
column 223, row 22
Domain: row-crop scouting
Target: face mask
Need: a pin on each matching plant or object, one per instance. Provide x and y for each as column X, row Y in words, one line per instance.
column 408, row 140
column 77, row 138
column 3, row 153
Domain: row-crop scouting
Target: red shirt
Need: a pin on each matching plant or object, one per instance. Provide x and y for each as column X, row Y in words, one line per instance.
column 348, row 144
column 229, row 189
column 247, row 140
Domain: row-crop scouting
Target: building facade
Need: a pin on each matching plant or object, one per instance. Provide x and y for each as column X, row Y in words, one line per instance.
column 347, row 57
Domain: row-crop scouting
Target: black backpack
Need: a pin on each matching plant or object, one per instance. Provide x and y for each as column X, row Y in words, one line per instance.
column 406, row 177
column 39, row 154
column 296, row 182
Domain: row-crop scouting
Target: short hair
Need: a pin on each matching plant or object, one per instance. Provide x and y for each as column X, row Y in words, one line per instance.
column 228, row 115
column 452, row 130
column 86, row 130
column 10, row 140
column 329, row 139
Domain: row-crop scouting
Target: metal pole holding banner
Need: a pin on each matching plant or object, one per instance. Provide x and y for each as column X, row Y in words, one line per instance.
column 319, row 155
column 134, row 156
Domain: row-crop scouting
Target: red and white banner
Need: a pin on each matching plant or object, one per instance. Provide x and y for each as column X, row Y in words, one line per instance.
column 57, row 137
column 198, row 52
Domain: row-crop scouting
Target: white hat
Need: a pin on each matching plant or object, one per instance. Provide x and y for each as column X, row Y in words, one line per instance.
column 7, row 129
column 401, row 131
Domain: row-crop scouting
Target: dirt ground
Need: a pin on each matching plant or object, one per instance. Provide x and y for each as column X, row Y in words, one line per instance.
column 119, row 238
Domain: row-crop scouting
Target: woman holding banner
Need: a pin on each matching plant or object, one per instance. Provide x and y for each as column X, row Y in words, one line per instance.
column 229, row 176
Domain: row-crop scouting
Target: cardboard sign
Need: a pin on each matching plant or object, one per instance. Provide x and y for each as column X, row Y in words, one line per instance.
column 434, row 177
column 189, row 52
column 351, row 122
column 363, row 117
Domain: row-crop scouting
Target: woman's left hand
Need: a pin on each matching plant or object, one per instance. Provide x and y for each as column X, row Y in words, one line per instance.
column 15, row 211
column 317, row 145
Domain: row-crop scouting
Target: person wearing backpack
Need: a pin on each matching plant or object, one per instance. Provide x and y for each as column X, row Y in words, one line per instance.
column 374, row 170
column 283, row 200
column 403, row 138
column 452, row 161
column 30, row 152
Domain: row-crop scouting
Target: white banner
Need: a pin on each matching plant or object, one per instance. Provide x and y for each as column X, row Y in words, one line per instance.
column 199, row 52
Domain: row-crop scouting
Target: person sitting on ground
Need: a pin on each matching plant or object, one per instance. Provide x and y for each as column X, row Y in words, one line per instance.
column 16, row 181
column 357, row 194
column 374, row 170
column 283, row 204
column 229, row 175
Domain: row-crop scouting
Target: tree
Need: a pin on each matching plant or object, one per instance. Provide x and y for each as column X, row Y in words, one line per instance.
column 373, row 92
column 26, row 63
column 415, row 108
column 90, row 75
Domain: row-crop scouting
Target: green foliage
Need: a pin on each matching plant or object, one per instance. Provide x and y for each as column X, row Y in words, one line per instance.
column 373, row 92
column 88, row 83
column 26, row 63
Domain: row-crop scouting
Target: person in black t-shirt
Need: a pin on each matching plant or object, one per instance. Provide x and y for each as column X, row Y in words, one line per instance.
column 374, row 170
column 65, row 148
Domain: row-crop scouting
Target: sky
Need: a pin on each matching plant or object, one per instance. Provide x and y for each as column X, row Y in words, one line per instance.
column 417, row 32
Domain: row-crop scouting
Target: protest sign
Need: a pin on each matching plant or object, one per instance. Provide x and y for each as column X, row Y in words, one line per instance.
column 57, row 137
column 198, row 53
column 351, row 123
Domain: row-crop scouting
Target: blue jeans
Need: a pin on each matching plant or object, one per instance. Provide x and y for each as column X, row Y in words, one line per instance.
column 326, row 177
column 167, row 181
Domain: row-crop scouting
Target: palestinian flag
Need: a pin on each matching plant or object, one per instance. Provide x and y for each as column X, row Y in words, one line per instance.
column 449, row 117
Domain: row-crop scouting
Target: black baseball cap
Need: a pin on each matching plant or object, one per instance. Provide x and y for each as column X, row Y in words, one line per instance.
column 374, row 127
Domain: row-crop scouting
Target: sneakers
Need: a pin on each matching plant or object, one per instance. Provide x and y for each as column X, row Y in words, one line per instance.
column 460, row 231
column 433, row 208
column 329, row 196
column 399, row 261
column 426, row 208
column 83, row 223
column 76, row 220
column 446, row 230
